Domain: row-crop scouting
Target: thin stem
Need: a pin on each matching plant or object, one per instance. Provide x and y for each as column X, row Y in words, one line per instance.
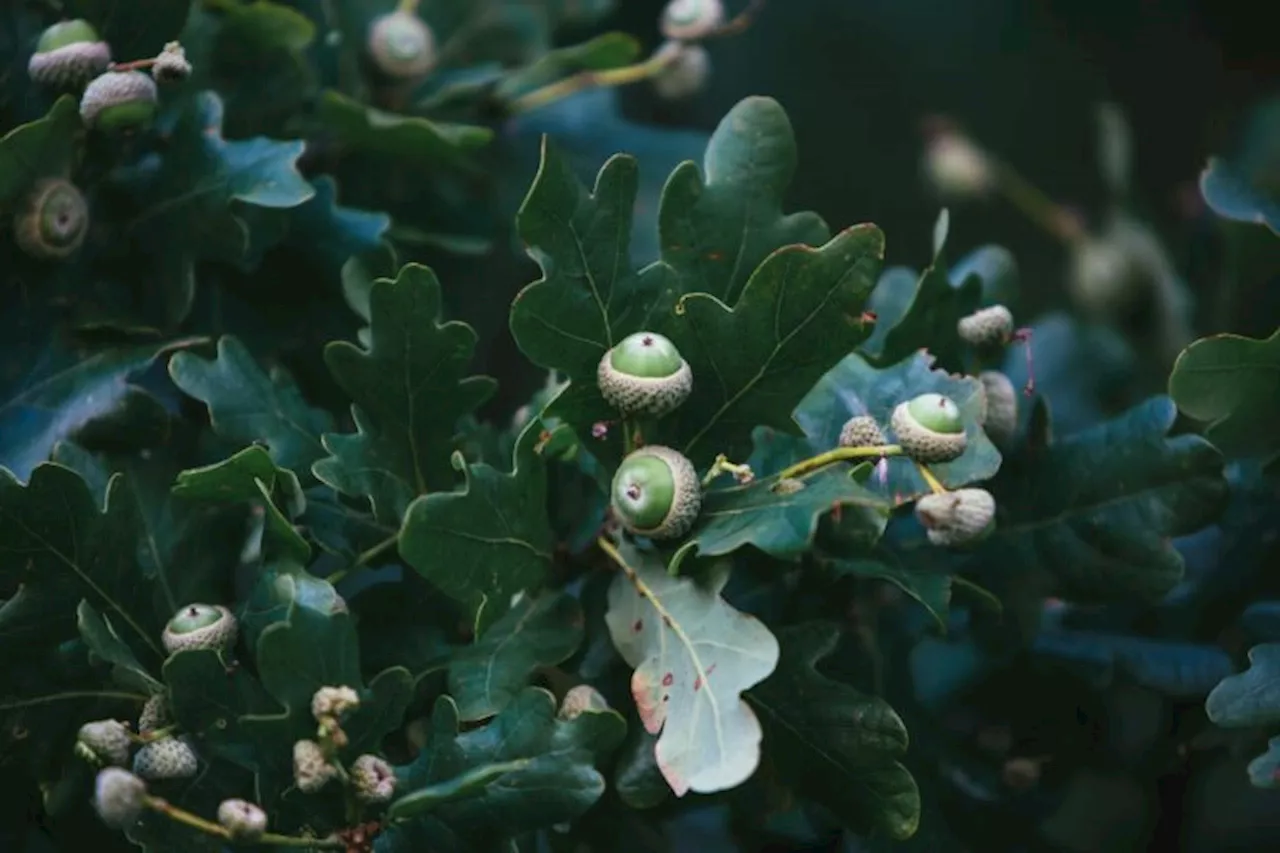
column 1037, row 206
column 741, row 21
column 154, row 735
column 629, row 428
column 186, row 818
column 73, row 694
column 364, row 558
column 611, row 552
column 839, row 454
column 934, row 483
column 583, row 80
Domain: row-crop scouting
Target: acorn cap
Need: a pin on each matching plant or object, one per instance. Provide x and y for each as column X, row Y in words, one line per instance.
column 688, row 20
column 107, row 740
column 244, row 820
column 930, row 428
column 171, row 64
column 687, row 69
column 862, row 431
column 373, row 779
column 644, row 374
column 68, row 54
column 155, row 714
column 1000, row 406
column 169, row 758
column 53, row 220
column 119, row 101
column 119, row 797
column 200, row 626
column 401, row 45
column 987, row 327
column 656, row 493
column 959, row 517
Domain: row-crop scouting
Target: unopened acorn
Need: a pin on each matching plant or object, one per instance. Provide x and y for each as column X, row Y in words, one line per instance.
column 244, row 821
column 956, row 167
column 644, row 374
column 401, row 45
column 119, row 797
column 656, row 493
column 333, row 702
column 155, row 714
column 311, row 769
column 685, row 72
column 372, row 779
column 987, row 327
column 68, row 54
column 168, row 758
column 53, row 220
column 200, row 626
column 1000, row 406
column 930, row 428
column 107, row 741
column 862, row 431
column 119, row 101
column 171, row 64
column 689, row 20
column 960, row 517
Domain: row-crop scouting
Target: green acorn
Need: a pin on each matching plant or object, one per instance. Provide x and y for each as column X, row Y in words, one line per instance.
column 987, row 327
column 69, row 54
column 861, row 431
column 689, row 20
column 1000, row 406
column 644, row 374
column 119, row 101
column 243, row 820
column 656, row 493
column 401, row 45
column 961, row 517
column 930, row 428
column 200, row 626
column 687, row 69
column 53, row 220
column 170, row 758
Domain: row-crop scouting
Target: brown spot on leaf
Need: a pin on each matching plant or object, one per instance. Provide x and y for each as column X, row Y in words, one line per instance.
column 668, row 680
column 638, row 626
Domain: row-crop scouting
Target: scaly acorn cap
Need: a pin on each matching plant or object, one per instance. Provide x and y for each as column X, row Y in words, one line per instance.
column 929, row 428
column 53, row 220
column 107, row 740
column 1000, row 406
column 987, row 327
column 155, row 714
column 689, row 20
column 119, row 797
column 69, row 54
column 644, row 374
column 169, row 758
column 656, row 493
column 687, row 69
column 372, row 779
column 171, row 64
column 862, row 431
column 119, row 101
column 245, row 821
column 200, row 626
column 401, row 45
column 960, row 517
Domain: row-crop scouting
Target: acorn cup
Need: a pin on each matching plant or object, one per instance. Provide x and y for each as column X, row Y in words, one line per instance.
column 53, row 220
column 930, row 428
column 656, row 493
column 69, row 54
column 689, row 20
column 644, row 374
column 200, row 626
column 119, row 102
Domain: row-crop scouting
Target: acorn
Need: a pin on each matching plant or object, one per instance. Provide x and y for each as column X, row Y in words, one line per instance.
column 119, row 101
column 200, row 626
column 689, row 20
column 105, row 741
column 244, row 821
column 862, row 431
column 1000, row 406
column 644, row 374
column 961, row 517
column 685, row 72
column 656, row 493
column 119, row 797
column 930, row 428
column 372, row 779
column 155, row 714
column 168, row 758
column 401, row 45
column 171, row 64
column 69, row 54
column 311, row 769
column 987, row 327
column 53, row 220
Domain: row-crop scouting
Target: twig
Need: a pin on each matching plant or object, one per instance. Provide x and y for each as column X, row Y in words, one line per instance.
column 934, row 483
column 839, row 454
column 269, row 839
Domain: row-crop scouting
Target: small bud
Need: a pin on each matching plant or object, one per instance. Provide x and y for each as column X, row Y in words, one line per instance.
column 862, row 431
column 52, row 221
column 960, row 517
column 333, row 703
column 401, row 45
column 119, row 797
column 956, row 167
column 311, row 770
column 1000, row 410
column 689, row 20
column 155, row 714
column 579, row 700
column 171, row 64
column 245, row 821
column 69, row 54
column 987, row 327
column 372, row 779
column 107, row 740
column 119, row 101
column 687, row 69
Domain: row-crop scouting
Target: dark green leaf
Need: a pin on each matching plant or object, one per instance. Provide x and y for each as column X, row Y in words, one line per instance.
column 39, row 149
column 834, row 744
column 931, row 588
column 1232, row 383
column 488, row 542
column 800, row 313
column 1264, row 771
column 249, row 406
column 1250, row 698
column 336, row 233
column 410, row 388
column 485, row 676
column 233, row 479
column 1243, row 186
column 411, row 140
column 1095, row 511
column 100, row 636
column 608, row 50
column 715, row 234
